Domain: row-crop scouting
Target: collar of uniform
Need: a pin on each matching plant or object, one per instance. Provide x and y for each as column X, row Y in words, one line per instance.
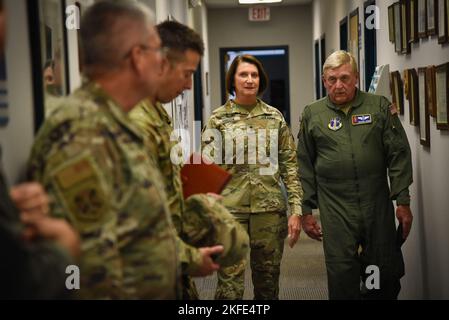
column 163, row 113
column 259, row 109
column 116, row 111
column 355, row 103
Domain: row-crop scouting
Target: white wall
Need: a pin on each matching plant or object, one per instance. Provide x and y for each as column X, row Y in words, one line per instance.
column 426, row 251
column 290, row 25
column 17, row 137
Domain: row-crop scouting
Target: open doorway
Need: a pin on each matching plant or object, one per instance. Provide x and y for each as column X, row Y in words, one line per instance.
column 275, row 63
column 370, row 46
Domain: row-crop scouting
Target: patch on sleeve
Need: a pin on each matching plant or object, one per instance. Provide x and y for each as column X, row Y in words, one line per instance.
column 82, row 190
column 393, row 109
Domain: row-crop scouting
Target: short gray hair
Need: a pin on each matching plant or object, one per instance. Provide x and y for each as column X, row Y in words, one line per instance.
column 339, row 58
column 107, row 31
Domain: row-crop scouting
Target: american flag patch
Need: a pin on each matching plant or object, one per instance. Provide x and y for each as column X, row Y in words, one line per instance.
column 393, row 109
column 362, row 119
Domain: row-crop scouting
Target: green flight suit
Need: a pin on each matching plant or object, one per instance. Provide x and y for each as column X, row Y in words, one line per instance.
column 198, row 220
column 345, row 160
column 254, row 194
column 93, row 162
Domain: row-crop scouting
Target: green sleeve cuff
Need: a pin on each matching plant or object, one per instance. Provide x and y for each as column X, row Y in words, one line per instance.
column 403, row 198
column 295, row 211
column 306, row 210
column 191, row 260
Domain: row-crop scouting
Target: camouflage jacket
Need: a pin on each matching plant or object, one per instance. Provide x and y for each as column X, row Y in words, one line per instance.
column 252, row 137
column 157, row 126
column 93, row 162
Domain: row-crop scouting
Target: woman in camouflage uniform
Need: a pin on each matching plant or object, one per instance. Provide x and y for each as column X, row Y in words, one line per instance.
column 254, row 194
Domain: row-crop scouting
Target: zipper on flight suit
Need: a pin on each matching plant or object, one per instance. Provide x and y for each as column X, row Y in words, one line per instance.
column 356, row 176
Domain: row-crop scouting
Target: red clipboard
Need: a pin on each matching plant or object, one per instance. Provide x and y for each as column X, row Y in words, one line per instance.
column 202, row 177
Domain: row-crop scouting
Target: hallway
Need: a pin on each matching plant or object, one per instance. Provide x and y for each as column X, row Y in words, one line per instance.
column 303, row 274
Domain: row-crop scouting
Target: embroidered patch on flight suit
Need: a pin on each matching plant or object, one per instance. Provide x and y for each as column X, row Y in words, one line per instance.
column 358, row 120
column 335, row 124
column 80, row 187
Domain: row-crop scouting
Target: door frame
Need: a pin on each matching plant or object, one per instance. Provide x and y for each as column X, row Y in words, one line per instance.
column 258, row 48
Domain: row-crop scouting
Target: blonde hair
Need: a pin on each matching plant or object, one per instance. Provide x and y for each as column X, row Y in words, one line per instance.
column 339, row 58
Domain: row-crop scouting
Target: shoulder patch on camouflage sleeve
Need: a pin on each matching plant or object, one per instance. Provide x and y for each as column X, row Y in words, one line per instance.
column 81, row 188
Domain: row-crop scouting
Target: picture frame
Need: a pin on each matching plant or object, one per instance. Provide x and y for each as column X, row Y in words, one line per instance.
column 413, row 21
column 413, row 96
column 447, row 19
column 431, row 91
column 397, row 27
column 424, row 120
column 4, row 108
column 391, row 32
column 397, row 91
column 354, row 44
column 442, row 96
column 405, row 26
column 422, row 18
column 344, row 33
column 432, row 17
column 49, row 54
column 443, row 33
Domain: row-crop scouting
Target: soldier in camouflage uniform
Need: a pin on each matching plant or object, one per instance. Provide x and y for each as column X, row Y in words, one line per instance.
column 349, row 142
column 254, row 194
column 202, row 221
column 93, row 161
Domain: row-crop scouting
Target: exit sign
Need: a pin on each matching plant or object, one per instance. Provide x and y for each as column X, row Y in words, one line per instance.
column 259, row 14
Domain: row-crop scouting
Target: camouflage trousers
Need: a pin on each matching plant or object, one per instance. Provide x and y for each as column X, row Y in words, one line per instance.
column 267, row 231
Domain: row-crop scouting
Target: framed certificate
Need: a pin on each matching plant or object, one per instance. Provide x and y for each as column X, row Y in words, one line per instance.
column 413, row 96
column 49, row 52
column 405, row 25
column 447, row 18
column 442, row 21
column 431, row 91
column 397, row 27
column 391, row 23
column 442, row 96
column 424, row 121
column 397, row 91
column 422, row 18
column 413, row 21
column 432, row 17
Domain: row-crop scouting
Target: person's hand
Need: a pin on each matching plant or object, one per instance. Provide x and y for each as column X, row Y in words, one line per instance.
column 31, row 200
column 294, row 229
column 54, row 229
column 405, row 217
column 208, row 265
column 311, row 227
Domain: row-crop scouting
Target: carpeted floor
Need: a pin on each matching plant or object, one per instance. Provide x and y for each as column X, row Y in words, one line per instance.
column 303, row 274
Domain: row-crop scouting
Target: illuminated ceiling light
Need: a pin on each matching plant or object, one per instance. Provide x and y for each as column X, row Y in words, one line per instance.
column 258, row 1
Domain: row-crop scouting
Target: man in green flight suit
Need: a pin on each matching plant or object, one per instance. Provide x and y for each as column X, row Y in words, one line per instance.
column 349, row 142
column 184, row 48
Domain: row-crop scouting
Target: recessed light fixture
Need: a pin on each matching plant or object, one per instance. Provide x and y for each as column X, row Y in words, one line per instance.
column 258, row 1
